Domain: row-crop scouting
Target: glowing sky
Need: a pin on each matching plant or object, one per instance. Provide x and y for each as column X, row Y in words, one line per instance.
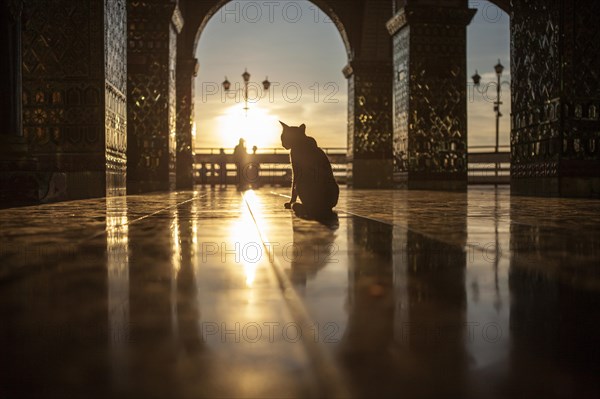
column 302, row 53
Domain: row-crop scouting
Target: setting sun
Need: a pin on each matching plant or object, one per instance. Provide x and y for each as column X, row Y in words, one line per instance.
column 259, row 128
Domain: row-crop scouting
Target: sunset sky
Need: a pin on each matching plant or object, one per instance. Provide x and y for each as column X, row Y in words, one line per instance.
column 302, row 53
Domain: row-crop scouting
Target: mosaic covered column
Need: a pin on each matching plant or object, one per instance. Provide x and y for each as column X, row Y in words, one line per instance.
column 17, row 168
column 555, row 137
column 430, row 98
column 74, row 82
column 369, row 124
column 153, row 26
column 369, row 74
column 187, row 69
column 10, row 67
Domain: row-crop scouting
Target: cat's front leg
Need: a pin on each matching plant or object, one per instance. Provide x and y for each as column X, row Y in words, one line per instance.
column 294, row 197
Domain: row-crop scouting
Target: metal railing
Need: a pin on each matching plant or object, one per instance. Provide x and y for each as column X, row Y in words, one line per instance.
column 262, row 151
column 474, row 149
column 489, row 167
column 486, row 166
column 273, row 163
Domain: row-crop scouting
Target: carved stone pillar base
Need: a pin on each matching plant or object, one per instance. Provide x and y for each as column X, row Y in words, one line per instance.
column 445, row 183
column 370, row 173
column 18, row 177
column 582, row 187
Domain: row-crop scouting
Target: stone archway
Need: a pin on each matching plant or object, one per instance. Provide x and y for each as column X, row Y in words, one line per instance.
column 196, row 15
column 503, row 4
column 206, row 15
column 437, row 157
column 555, row 110
column 368, row 45
column 74, row 100
column 301, row 52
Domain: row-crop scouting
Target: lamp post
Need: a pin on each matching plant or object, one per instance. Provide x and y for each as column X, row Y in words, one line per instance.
column 246, row 76
column 499, row 68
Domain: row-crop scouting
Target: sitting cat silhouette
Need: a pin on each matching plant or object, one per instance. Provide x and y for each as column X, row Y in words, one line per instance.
column 312, row 176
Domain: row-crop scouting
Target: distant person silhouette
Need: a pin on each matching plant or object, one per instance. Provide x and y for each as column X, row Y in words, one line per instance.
column 204, row 173
column 222, row 167
column 240, row 157
column 253, row 170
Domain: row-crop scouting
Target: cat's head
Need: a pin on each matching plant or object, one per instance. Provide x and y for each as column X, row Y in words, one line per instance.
column 292, row 135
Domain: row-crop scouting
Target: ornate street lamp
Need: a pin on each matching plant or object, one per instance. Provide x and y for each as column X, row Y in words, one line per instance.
column 226, row 84
column 476, row 78
column 246, row 76
column 266, row 83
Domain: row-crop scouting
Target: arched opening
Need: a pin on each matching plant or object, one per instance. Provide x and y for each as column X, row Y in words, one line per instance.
column 488, row 48
column 302, row 52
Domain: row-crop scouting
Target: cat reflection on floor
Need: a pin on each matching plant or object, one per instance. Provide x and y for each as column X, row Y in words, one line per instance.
column 312, row 177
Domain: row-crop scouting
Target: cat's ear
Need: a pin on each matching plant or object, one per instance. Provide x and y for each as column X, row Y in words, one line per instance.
column 283, row 124
column 302, row 127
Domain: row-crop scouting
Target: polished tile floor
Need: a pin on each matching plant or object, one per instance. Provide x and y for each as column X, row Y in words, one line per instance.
column 216, row 293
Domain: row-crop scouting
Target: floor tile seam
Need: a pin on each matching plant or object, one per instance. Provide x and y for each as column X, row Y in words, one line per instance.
column 130, row 222
column 161, row 210
column 329, row 375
